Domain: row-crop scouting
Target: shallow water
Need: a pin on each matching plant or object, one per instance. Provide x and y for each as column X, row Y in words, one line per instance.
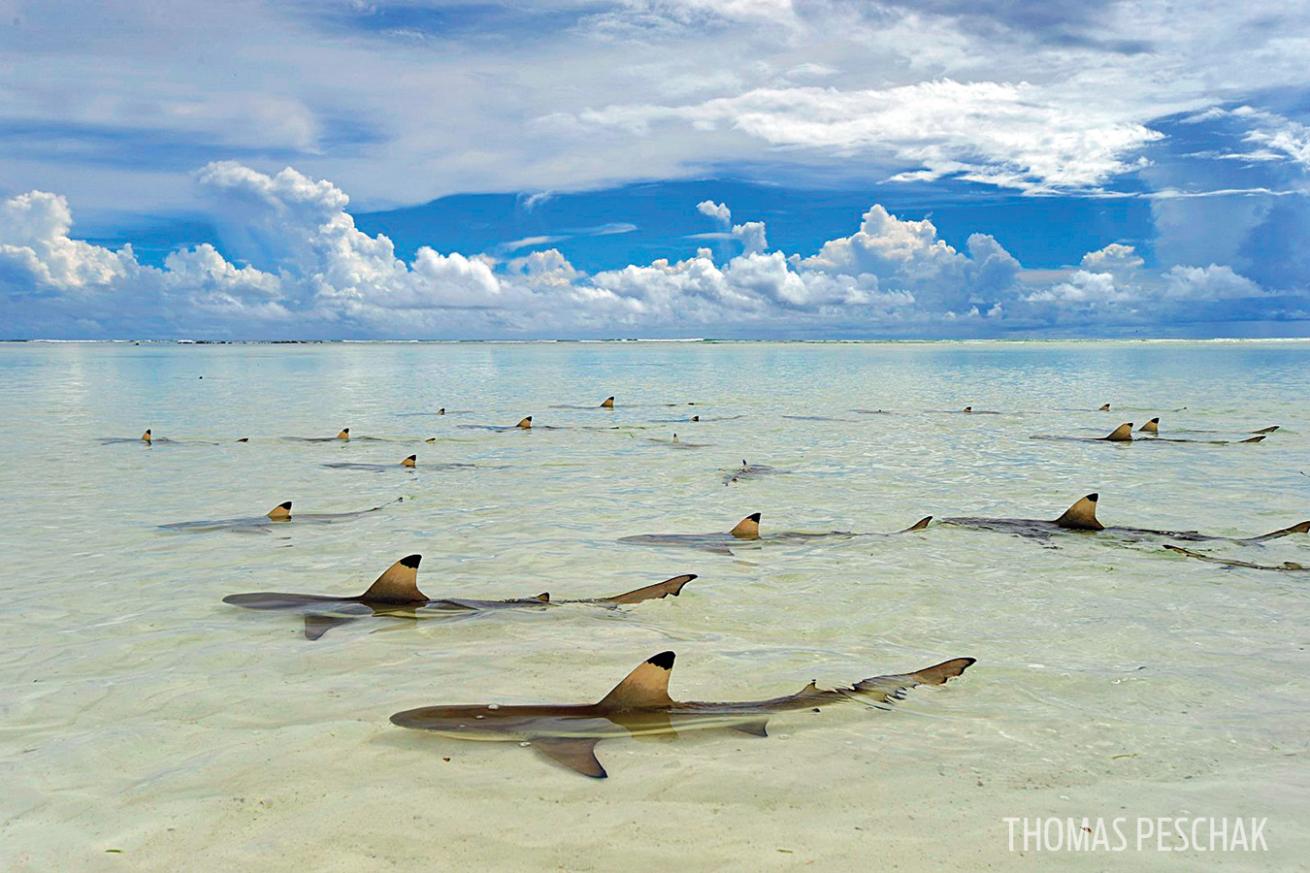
column 148, row 726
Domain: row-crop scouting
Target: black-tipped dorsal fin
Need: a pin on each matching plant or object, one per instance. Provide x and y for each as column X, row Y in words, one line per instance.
column 1121, row 434
column 921, row 524
column 544, row 597
column 652, row 592
column 1105, row 407
column 411, row 461
column 1082, row 515
column 607, row 403
column 1152, row 426
column 281, row 512
column 398, row 583
column 1270, row 429
column 147, row 436
column 441, row 411
column 645, row 687
column 576, row 753
column 967, row 409
column 344, row 434
column 525, row 422
column 748, row 528
column 244, row 440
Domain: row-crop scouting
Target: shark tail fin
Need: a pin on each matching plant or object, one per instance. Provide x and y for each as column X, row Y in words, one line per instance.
column 411, row 461
column 281, row 512
column 1121, row 434
column 398, row 583
column 646, row 686
column 147, row 436
column 652, row 592
column 886, row 689
column 525, row 422
column 607, row 403
column 1082, row 515
column 1303, row 527
column 748, row 528
column 921, row 524
column 1266, row 429
column 1152, row 426
column 344, row 434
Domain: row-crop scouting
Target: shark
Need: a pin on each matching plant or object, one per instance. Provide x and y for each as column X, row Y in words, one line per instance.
column 1152, row 428
column 149, row 439
column 343, row 436
column 749, row 471
column 640, row 706
column 408, row 463
column 1081, row 518
column 607, row 403
column 395, row 594
column 1124, row 434
column 524, row 423
column 278, row 515
column 747, row 531
column 676, row 443
column 1284, row 567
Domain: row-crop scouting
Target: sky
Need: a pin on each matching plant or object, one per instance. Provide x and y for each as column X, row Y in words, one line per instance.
column 791, row 169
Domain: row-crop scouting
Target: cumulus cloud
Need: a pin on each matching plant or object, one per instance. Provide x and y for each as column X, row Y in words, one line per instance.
column 293, row 263
column 718, row 211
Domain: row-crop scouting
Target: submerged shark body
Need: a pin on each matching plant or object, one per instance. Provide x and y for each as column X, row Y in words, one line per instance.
column 747, row 532
column 1081, row 518
column 676, row 443
column 279, row 515
column 409, row 463
column 750, row 471
column 1285, row 567
column 640, row 706
column 395, row 594
column 1124, row 434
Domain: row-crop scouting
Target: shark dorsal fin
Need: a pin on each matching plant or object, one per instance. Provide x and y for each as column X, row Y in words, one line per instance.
column 921, row 524
column 967, row 409
column 607, row 403
column 1152, row 426
column 675, row 437
column 411, row 461
column 748, row 528
column 147, row 436
column 1105, row 407
column 645, row 687
column 1266, row 429
column 1121, row 434
column 344, row 434
column 1082, row 515
column 281, row 512
column 1254, row 439
column 544, row 597
column 398, row 583
column 244, row 440
column 695, row 418
column 441, row 411
column 525, row 423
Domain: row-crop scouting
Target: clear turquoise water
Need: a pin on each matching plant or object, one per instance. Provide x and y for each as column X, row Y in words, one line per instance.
column 142, row 714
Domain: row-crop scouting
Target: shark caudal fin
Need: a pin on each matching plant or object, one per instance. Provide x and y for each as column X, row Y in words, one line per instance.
column 607, row 403
column 645, row 687
column 525, row 423
column 411, row 461
column 921, row 524
column 1105, row 407
column 1082, row 515
column 1121, row 434
column 281, row 512
column 398, row 583
column 748, row 528
column 886, row 689
column 147, row 436
column 344, row 434
column 652, row 592
column 1152, row 426
column 1266, row 429
column 1303, row 527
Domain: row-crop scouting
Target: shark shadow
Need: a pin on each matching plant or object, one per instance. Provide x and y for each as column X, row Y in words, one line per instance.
column 1285, row 567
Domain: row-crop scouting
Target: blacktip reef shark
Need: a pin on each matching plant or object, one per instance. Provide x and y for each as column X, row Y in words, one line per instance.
column 395, row 594
column 677, row 443
column 1124, row 434
column 1285, row 567
column 1081, row 518
column 748, row 531
column 149, row 439
column 278, row 515
column 749, row 471
column 408, row 463
column 640, row 706
column 524, row 423
column 342, row 436
column 968, row 410
column 607, row 403
column 1152, row 428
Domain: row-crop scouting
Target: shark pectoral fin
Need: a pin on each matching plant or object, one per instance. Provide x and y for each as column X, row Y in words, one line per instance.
column 1121, row 434
column 317, row 625
column 398, row 583
column 578, row 754
column 652, row 592
column 646, row 687
column 748, row 528
column 921, row 524
column 1082, row 515
column 1303, row 527
column 754, row 728
column 886, row 689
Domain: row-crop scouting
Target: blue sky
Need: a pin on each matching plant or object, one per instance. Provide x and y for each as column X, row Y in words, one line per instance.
column 752, row 168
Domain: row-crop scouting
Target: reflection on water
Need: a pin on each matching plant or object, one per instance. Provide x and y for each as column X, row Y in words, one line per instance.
column 1114, row 678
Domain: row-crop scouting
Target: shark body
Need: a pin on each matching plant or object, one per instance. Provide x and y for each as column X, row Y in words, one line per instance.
column 746, row 532
column 278, row 515
column 640, row 706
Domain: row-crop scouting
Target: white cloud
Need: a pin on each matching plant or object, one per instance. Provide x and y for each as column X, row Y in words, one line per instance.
column 718, row 211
